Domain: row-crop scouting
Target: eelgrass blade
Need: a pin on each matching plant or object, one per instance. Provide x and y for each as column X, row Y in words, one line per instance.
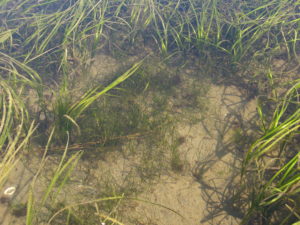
column 8, row 60
column 77, row 108
column 13, row 119
column 30, row 208
column 277, row 130
column 283, row 184
column 63, row 167
column 107, row 199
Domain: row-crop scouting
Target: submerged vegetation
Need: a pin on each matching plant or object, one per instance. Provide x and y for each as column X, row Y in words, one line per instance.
column 276, row 151
column 51, row 100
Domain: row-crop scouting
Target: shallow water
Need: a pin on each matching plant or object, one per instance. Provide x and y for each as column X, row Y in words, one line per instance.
column 170, row 138
column 182, row 156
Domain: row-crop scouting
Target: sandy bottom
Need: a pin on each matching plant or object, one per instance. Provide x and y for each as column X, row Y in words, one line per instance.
column 199, row 193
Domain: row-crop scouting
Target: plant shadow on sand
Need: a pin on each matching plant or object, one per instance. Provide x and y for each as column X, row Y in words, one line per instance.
column 218, row 174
